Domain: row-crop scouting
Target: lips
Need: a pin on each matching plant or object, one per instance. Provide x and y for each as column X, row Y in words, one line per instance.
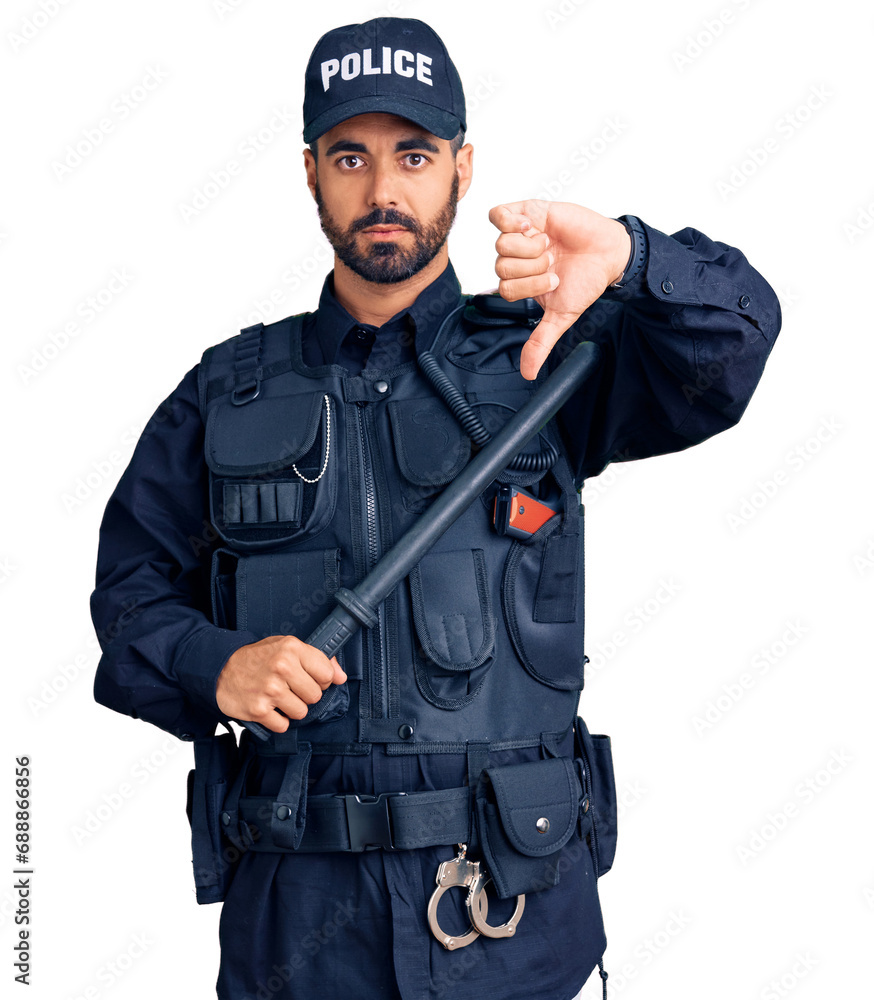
column 383, row 234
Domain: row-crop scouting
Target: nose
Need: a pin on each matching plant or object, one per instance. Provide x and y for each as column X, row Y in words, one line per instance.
column 383, row 186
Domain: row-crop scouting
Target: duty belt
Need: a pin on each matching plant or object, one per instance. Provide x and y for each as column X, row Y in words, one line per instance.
column 391, row 821
column 531, row 799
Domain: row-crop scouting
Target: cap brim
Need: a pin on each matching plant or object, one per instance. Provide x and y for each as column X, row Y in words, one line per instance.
column 439, row 123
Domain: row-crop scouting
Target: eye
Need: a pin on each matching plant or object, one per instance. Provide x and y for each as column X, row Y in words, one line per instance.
column 416, row 159
column 351, row 161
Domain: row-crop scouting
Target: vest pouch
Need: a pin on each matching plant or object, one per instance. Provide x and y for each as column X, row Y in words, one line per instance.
column 289, row 593
column 526, row 813
column 430, row 446
column 217, row 765
column 454, row 624
column 260, row 455
column 542, row 601
column 597, row 756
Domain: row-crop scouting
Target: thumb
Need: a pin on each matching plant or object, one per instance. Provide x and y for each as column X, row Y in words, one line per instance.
column 339, row 672
column 542, row 340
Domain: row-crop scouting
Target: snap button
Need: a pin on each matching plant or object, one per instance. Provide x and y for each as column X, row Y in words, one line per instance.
column 542, row 824
column 667, row 286
column 283, row 812
column 226, row 818
column 405, row 732
column 381, row 386
column 362, row 334
column 743, row 301
column 585, row 805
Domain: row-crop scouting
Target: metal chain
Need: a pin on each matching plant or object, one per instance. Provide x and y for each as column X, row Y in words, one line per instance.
column 327, row 448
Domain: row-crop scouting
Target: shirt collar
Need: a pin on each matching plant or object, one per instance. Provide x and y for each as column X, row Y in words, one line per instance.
column 431, row 307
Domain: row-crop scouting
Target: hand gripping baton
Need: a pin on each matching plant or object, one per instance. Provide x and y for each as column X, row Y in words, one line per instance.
column 359, row 606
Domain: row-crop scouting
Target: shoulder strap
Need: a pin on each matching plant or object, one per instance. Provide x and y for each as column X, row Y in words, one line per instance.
column 240, row 364
column 247, row 364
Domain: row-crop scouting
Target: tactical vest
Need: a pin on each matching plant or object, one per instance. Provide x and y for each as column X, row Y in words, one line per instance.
column 314, row 474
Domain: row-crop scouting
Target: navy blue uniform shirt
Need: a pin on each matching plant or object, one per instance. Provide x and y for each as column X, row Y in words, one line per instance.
column 683, row 344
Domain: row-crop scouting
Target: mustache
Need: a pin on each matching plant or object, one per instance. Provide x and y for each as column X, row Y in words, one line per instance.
column 385, row 217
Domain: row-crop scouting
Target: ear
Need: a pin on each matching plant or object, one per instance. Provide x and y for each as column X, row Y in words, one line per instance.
column 310, row 166
column 464, row 168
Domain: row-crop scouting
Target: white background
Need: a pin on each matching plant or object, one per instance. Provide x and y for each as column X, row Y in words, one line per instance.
column 689, row 97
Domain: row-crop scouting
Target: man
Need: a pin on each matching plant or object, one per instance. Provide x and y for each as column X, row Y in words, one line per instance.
column 296, row 454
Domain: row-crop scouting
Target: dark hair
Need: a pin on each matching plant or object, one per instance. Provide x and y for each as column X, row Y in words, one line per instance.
column 455, row 144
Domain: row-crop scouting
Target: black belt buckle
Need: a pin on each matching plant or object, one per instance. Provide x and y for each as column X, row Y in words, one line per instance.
column 369, row 821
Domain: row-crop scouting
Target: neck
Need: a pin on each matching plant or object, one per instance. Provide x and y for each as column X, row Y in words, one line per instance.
column 375, row 304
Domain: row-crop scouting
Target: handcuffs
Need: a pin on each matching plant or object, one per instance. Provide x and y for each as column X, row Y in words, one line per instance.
column 460, row 871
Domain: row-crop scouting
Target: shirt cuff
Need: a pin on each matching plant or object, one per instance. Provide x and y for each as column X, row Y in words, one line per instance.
column 204, row 658
column 668, row 275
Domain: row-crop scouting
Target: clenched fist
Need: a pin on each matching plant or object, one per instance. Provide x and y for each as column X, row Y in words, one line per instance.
column 279, row 672
column 560, row 254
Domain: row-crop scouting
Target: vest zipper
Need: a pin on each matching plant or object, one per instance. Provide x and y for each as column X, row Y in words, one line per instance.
column 379, row 669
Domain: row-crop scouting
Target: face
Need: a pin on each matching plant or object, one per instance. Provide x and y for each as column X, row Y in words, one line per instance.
column 387, row 193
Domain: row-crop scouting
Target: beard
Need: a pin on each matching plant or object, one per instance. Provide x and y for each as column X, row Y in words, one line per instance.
column 386, row 263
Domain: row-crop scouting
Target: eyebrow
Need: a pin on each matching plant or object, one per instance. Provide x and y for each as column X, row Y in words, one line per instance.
column 404, row 146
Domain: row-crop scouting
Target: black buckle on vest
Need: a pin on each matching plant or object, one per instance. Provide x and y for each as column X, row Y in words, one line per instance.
column 369, row 821
column 246, row 392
